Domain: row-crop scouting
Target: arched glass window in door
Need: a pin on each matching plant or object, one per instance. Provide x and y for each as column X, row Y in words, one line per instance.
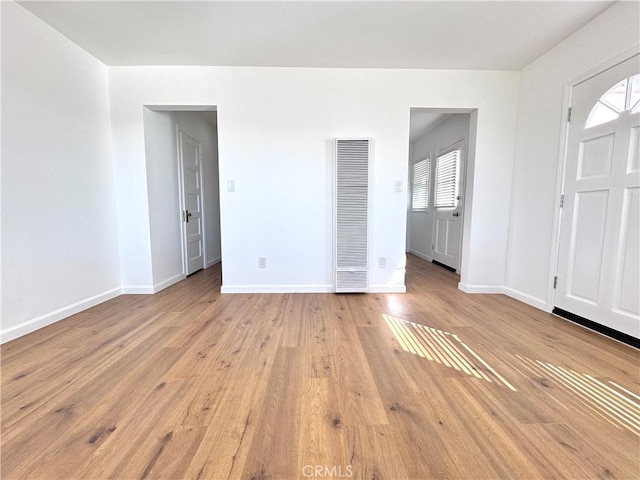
column 622, row 97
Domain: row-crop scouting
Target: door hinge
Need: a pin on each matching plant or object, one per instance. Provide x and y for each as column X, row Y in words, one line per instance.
column 562, row 200
column 555, row 282
column 569, row 114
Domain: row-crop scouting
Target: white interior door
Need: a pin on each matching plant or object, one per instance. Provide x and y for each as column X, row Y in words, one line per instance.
column 447, row 219
column 191, row 179
column 598, row 261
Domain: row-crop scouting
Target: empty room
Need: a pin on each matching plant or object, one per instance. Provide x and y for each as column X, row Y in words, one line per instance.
column 320, row 239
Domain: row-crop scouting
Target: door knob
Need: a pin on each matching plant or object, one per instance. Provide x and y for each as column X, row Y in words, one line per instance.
column 186, row 215
column 456, row 214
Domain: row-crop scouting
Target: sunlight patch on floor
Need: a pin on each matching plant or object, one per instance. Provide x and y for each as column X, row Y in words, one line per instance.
column 607, row 400
column 442, row 347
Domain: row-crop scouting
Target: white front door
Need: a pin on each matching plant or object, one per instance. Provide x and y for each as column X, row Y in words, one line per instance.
column 598, row 260
column 191, row 186
column 447, row 201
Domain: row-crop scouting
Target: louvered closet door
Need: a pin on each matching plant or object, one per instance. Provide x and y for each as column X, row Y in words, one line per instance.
column 351, row 215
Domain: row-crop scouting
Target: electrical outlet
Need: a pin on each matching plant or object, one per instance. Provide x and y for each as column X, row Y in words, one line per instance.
column 231, row 185
column 382, row 262
column 262, row 262
column 398, row 186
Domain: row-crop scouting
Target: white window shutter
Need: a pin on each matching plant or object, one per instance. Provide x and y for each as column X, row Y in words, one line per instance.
column 447, row 172
column 351, row 243
column 420, row 187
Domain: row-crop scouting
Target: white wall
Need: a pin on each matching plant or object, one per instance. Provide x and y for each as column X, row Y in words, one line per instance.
column 59, row 242
column 275, row 130
column 541, row 117
column 420, row 229
column 163, row 189
column 212, row 202
column 164, row 203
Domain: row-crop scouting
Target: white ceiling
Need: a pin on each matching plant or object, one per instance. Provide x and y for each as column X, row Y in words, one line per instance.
column 500, row 35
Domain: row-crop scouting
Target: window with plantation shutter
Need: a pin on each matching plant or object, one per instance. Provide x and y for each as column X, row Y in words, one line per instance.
column 447, row 171
column 420, row 186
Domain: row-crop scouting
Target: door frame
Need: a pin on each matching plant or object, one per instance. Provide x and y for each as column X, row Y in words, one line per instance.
column 183, row 230
column 467, row 191
column 562, row 162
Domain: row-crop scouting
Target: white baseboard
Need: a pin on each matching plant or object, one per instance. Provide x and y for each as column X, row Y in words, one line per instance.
column 526, row 298
column 304, row 289
column 138, row 289
column 387, row 289
column 276, row 289
column 168, row 282
column 32, row 325
column 510, row 292
column 213, row 262
column 423, row 256
column 481, row 288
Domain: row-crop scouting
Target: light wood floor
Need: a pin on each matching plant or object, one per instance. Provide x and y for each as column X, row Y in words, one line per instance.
column 435, row 383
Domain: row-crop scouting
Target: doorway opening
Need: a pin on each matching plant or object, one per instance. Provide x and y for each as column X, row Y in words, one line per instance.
column 181, row 148
column 441, row 146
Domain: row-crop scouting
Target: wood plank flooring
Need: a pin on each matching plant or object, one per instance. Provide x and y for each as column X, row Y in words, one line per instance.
column 434, row 383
